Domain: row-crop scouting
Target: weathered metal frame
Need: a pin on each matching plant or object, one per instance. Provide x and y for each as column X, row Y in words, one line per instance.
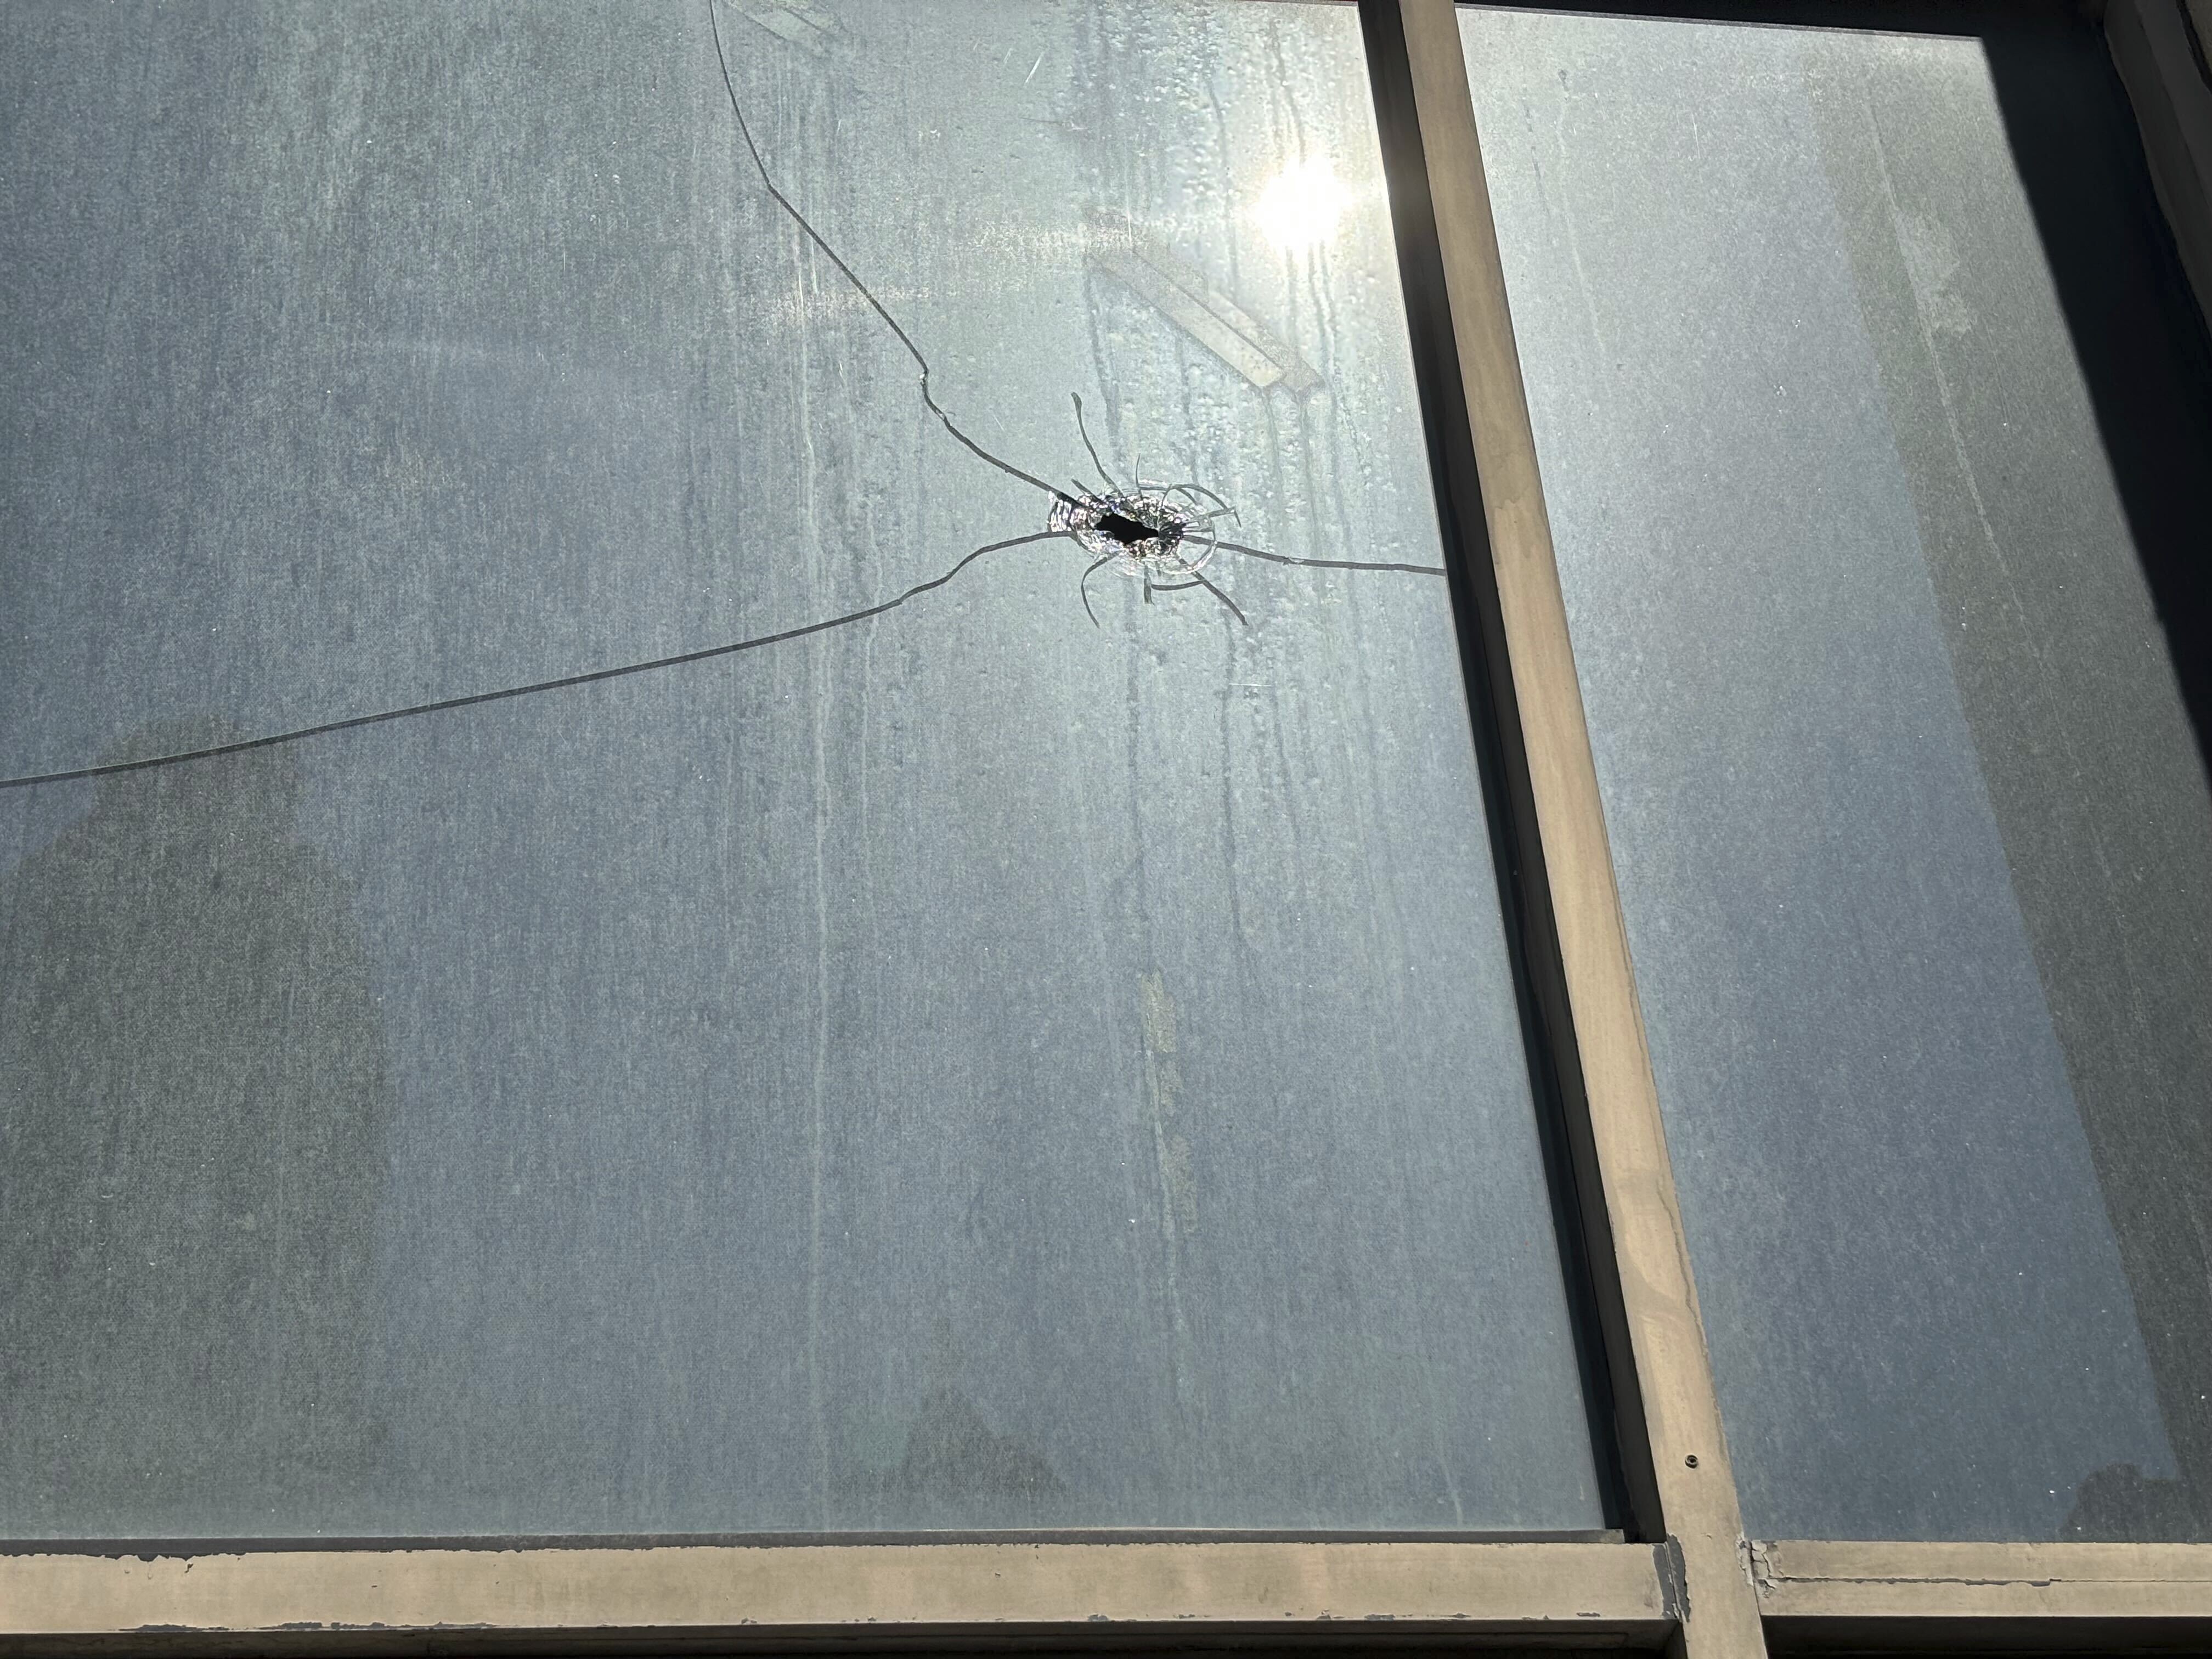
column 882, row 1596
column 1687, row 1581
column 1799, row 1579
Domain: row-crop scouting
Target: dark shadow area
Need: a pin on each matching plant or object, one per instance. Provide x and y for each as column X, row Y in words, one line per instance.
column 1967, row 17
column 194, row 1108
column 2144, row 356
column 954, row 1467
column 2137, row 333
column 2001, row 1637
column 2119, row 1503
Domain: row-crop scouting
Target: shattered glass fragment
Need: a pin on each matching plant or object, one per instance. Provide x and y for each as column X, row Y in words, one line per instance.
column 1144, row 532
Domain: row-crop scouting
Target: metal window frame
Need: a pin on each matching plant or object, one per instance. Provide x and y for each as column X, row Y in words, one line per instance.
column 1687, row 1581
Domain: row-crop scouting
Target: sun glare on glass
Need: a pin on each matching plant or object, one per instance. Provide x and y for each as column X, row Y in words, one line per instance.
column 1301, row 204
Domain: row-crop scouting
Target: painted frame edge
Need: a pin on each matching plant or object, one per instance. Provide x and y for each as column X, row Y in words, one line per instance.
column 354, row 1601
column 1679, row 1470
column 2111, row 1598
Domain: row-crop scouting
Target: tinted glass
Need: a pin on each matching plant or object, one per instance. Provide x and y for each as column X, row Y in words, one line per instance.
column 967, row 1067
column 1873, row 427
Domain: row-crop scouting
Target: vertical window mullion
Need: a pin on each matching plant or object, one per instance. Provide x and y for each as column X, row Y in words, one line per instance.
column 1555, row 862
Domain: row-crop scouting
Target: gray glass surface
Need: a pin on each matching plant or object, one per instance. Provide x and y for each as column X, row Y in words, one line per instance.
column 971, row 1068
column 1910, row 826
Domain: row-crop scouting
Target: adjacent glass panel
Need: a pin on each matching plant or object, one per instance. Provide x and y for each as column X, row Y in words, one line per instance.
column 966, row 1068
column 1875, row 444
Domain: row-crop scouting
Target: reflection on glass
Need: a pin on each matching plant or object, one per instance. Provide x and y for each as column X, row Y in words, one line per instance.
column 1302, row 205
column 975, row 1067
column 1870, row 438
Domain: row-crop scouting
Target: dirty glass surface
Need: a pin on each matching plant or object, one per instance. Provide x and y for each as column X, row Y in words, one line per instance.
column 967, row 1068
column 1873, row 444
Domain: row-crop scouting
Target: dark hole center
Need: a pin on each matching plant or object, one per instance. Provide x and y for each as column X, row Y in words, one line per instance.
column 1127, row 531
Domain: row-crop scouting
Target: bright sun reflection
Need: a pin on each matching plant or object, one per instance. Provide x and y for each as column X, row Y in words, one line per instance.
column 1301, row 204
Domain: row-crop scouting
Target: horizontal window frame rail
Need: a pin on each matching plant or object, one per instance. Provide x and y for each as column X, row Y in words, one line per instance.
column 1846, row 1578
column 1830, row 1594
column 480, row 1600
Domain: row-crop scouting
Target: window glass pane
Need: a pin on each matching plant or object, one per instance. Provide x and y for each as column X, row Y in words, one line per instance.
column 965, row 1068
column 1871, row 439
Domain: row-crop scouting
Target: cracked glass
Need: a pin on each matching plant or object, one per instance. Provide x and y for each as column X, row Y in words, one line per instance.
column 1872, row 411
column 974, row 1049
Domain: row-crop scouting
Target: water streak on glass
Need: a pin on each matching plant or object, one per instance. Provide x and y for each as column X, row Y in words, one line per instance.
column 973, row 1069
column 1874, row 430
